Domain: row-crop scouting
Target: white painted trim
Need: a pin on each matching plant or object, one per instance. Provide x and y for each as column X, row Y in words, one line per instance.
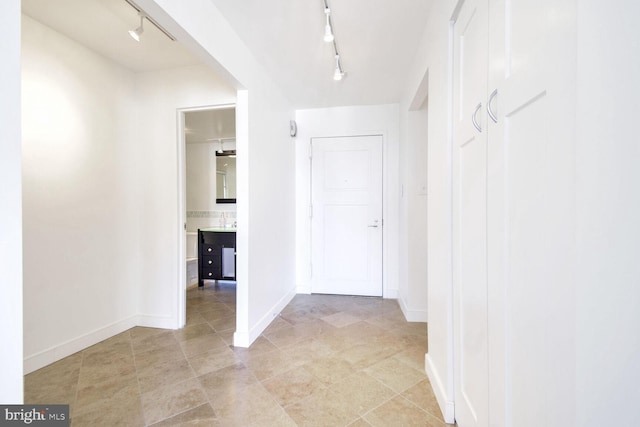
column 246, row 338
column 148, row 321
column 447, row 407
column 181, row 298
column 412, row 315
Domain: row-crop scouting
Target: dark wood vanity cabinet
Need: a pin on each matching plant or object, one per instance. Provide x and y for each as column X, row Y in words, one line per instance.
column 216, row 255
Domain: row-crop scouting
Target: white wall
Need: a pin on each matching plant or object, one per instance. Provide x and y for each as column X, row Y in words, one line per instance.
column 11, row 379
column 608, row 204
column 413, row 214
column 100, row 192
column 349, row 121
column 201, row 176
column 432, row 60
column 79, row 268
column 266, row 187
column 160, row 95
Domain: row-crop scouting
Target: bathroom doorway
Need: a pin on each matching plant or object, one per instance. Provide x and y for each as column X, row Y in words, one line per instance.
column 208, row 150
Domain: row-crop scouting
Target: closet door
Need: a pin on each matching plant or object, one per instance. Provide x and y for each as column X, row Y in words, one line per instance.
column 530, row 203
column 469, row 210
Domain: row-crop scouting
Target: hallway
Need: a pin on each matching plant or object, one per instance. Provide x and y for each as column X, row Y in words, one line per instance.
column 327, row 360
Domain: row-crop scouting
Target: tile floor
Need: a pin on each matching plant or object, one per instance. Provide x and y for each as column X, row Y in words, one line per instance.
column 326, row 361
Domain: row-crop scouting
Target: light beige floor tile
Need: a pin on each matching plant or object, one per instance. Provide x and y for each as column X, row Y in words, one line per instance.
column 322, row 408
column 212, row 361
column 362, row 391
column 140, row 332
column 413, row 356
column 323, row 372
column 165, row 402
column 395, row 374
column 153, row 342
column 56, row 383
column 99, row 368
column 151, row 377
column 359, row 423
column 117, row 343
column 160, row 355
column 224, row 323
column 309, row 349
column 193, row 331
column 298, row 316
column 226, row 385
column 193, row 317
column 201, row 416
column 267, row 365
column 329, row 370
column 260, row 346
column 400, row 412
column 202, row 344
column 292, row 386
column 255, row 407
column 341, row 319
column 126, row 412
column 422, row 396
column 362, row 356
column 277, row 324
column 106, row 395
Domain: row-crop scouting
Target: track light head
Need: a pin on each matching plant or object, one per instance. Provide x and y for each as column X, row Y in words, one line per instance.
column 328, row 31
column 135, row 34
column 338, row 73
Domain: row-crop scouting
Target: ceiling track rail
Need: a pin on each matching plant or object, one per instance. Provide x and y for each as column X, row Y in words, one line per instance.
column 148, row 18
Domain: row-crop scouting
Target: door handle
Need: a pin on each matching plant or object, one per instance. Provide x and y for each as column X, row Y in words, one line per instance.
column 374, row 225
column 473, row 117
column 493, row 116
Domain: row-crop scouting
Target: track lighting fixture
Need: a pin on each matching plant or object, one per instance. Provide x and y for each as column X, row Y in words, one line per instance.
column 338, row 74
column 135, row 34
column 329, row 37
column 328, row 31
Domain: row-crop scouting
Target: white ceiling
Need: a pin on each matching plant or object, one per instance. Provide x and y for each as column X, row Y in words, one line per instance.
column 210, row 125
column 377, row 41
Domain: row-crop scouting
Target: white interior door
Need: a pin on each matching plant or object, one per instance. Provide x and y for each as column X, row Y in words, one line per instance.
column 530, row 208
column 470, row 214
column 346, row 224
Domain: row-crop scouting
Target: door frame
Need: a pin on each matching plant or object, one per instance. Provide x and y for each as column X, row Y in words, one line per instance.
column 181, row 300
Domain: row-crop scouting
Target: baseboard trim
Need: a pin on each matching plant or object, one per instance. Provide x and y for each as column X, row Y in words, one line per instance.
column 304, row 288
column 446, row 406
column 53, row 354
column 60, row 351
column 390, row 294
column 246, row 338
column 412, row 315
column 149, row 321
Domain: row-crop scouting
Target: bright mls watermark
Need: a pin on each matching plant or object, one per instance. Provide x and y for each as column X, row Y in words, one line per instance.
column 34, row 415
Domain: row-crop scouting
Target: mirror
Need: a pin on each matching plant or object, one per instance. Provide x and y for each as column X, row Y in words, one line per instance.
column 226, row 176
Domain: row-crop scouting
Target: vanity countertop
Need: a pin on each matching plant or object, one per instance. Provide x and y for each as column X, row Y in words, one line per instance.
column 220, row 229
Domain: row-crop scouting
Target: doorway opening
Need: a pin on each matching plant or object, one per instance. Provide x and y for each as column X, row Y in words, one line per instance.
column 207, row 154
